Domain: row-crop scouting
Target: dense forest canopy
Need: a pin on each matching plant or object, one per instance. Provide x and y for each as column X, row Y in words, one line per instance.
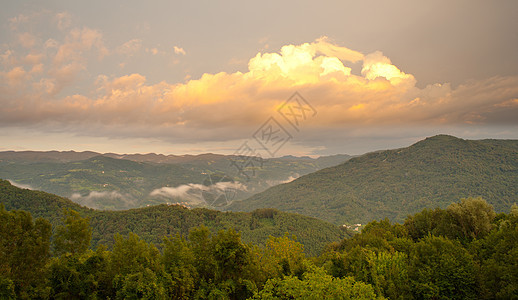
column 116, row 182
column 392, row 184
column 154, row 222
column 53, row 248
column 466, row 251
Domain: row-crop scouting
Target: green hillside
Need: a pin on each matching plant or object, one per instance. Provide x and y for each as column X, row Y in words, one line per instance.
column 395, row 183
column 155, row 222
column 114, row 182
column 126, row 183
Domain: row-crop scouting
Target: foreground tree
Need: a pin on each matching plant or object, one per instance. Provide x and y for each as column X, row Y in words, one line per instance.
column 223, row 263
column 497, row 256
column 137, row 271
column 472, row 218
column 178, row 261
column 75, row 236
column 83, row 276
column 441, row 268
column 282, row 256
column 24, row 251
column 315, row 284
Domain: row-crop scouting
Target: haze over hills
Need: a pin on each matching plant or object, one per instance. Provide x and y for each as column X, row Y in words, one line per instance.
column 392, row 184
column 122, row 181
column 155, row 222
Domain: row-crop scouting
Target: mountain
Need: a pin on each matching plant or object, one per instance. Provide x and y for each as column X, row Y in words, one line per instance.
column 392, row 184
column 154, row 222
column 122, row 181
column 100, row 182
column 45, row 156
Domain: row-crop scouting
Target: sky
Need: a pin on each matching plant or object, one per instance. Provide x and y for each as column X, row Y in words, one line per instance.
column 266, row 78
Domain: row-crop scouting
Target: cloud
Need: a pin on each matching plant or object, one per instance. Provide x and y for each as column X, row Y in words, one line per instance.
column 16, row 76
column 376, row 65
column 198, row 194
column 27, row 40
column 33, row 58
column 15, row 21
column 20, row 185
column 64, row 20
column 91, row 200
column 7, row 58
column 277, row 182
column 231, row 106
column 179, row 50
column 76, row 42
column 130, row 47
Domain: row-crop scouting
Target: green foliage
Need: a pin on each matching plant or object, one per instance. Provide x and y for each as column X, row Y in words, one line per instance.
column 497, row 257
column 436, row 254
column 6, row 288
column 441, row 268
column 130, row 180
column 224, row 264
column 231, row 256
column 281, row 256
column 384, row 260
column 315, row 284
column 436, row 222
column 24, row 251
column 472, row 217
column 132, row 254
column 178, row 260
column 390, row 275
column 392, row 184
column 137, row 268
column 154, row 223
column 116, row 182
column 75, row 236
column 140, row 285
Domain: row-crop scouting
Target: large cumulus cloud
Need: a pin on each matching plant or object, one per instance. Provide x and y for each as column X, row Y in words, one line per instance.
column 229, row 106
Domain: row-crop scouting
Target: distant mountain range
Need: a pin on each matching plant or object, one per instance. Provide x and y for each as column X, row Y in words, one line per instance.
column 122, row 181
column 339, row 189
column 395, row 183
column 155, row 222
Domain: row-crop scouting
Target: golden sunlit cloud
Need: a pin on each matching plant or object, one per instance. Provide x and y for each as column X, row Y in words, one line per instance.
column 179, row 50
column 229, row 105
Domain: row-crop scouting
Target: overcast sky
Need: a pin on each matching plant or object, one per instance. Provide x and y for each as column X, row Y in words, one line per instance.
column 218, row 76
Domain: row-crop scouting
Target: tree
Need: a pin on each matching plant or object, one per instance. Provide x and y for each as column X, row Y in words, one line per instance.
column 178, row 261
column 315, row 284
column 389, row 273
column 200, row 243
column 435, row 222
column 497, row 256
column 441, row 268
column 6, row 288
column 132, row 254
column 75, row 236
column 136, row 269
column 140, row 285
column 83, row 276
column 232, row 257
column 24, row 251
column 233, row 260
column 282, row 256
column 472, row 217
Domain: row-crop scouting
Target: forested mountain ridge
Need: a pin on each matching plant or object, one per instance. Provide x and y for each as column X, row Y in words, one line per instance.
column 155, row 222
column 465, row 251
column 123, row 181
column 395, row 183
column 100, row 182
